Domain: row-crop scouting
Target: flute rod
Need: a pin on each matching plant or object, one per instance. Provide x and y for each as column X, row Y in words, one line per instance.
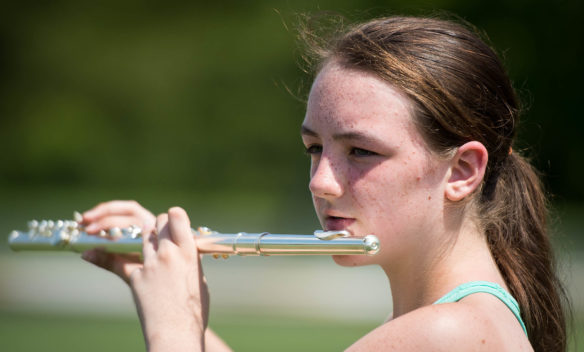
column 69, row 236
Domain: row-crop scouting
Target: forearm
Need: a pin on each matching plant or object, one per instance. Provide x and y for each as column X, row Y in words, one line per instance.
column 214, row 343
column 186, row 342
column 175, row 341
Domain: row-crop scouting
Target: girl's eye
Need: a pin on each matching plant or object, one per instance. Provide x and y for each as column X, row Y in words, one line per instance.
column 362, row 152
column 313, row 149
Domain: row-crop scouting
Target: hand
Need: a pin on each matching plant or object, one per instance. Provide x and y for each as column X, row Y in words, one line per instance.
column 169, row 288
column 117, row 213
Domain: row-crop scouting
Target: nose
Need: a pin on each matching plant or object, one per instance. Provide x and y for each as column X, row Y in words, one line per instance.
column 325, row 181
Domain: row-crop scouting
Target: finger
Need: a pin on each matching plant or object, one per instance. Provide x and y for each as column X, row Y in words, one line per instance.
column 111, row 222
column 115, row 207
column 149, row 245
column 180, row 228
column 133, row 257
column 123, row 266
column 162, row 230
column 120, row 207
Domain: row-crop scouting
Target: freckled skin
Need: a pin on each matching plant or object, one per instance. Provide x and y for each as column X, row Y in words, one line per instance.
column 371, row 173
column 382, row 192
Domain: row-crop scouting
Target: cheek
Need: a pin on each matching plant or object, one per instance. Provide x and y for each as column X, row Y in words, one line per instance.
column 375, row 194
column 395, row 189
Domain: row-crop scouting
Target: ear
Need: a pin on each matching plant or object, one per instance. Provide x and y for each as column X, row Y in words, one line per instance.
column 466, row 171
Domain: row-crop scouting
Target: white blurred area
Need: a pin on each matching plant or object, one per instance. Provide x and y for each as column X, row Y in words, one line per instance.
column 304, row 287
column 310, row 287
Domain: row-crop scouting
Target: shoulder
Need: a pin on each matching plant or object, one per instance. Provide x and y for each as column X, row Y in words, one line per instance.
column 443, row 327
column 437, row 328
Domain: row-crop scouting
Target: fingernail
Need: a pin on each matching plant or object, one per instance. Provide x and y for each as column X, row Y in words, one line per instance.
column 91, row 228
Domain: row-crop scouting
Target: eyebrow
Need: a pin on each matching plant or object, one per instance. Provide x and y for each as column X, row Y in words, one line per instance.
column 342, row 136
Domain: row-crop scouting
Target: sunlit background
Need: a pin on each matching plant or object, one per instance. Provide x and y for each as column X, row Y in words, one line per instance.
column 199, row 105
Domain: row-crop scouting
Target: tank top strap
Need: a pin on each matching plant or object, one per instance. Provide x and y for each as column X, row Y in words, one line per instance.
column 492, row 288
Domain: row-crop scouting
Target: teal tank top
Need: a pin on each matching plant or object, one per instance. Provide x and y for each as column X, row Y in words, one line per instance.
column 484, row 287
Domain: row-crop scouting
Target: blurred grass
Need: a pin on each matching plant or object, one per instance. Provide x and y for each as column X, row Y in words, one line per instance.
column 272, row 333
column 36, row 332
column 45, row 332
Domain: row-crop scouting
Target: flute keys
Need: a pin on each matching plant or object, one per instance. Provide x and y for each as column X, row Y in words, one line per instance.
column 33, row 228
column 65, row 236
column 33, row 225
column 45, row 228
column 204, row 230
column 217, row 256
column 77, row 217
column 13, row 235
column 115, row 232
column 134, row 231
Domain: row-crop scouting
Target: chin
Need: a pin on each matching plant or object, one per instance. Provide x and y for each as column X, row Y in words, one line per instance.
column 352, row 260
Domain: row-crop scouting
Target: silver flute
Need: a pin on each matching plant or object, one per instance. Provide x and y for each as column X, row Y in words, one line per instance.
column 69, row 235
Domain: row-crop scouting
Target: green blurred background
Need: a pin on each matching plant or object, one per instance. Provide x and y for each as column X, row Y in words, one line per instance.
column 199, row 105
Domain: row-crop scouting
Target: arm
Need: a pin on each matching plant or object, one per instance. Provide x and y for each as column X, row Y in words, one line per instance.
column 214, row 343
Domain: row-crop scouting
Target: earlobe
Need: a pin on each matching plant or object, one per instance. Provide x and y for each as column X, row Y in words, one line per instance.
column 466, row 171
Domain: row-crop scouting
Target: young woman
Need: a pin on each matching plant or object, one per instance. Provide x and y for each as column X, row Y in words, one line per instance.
column 409, row 126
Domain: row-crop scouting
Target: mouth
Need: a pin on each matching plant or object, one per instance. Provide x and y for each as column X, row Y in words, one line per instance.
column 337, row 223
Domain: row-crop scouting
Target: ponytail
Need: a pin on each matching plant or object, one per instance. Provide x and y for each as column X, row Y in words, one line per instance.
column 514, row 213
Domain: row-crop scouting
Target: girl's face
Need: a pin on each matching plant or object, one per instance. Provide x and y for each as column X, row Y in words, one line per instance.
column 371, row 172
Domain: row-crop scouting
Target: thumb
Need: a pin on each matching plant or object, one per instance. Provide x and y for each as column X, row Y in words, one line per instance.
column 121, row 265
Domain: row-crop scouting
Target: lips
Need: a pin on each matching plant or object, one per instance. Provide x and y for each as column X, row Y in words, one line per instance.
column 335, row 223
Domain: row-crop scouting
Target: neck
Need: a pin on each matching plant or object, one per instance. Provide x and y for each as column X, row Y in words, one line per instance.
column 432, row 272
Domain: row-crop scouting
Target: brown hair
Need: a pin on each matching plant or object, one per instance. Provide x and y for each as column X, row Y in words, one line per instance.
column 461, row 92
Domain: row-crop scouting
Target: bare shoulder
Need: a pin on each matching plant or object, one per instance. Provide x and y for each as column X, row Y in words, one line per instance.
column 463, row 326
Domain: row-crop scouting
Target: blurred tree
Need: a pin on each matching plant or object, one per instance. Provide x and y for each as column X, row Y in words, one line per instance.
column 194, row 95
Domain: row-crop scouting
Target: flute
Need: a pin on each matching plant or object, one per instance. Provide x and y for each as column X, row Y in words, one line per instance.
column 69, row 235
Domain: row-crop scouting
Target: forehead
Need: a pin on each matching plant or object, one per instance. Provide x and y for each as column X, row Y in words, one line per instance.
column 355, row 98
